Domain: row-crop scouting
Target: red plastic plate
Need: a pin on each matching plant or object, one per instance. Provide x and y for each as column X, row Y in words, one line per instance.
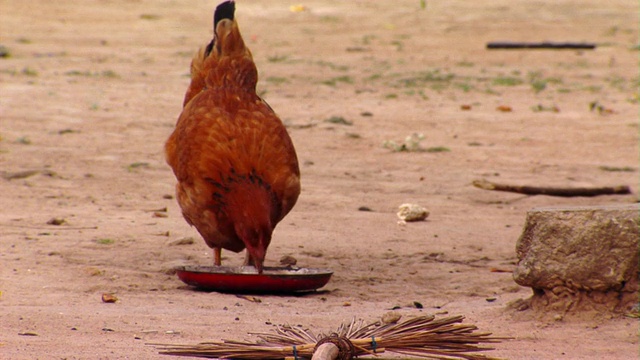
column 246, row 279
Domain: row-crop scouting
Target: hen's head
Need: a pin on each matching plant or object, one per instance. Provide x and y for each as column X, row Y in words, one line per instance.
column 253, row 209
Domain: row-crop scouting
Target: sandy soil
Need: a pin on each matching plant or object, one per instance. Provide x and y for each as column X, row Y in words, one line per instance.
column 92, row 89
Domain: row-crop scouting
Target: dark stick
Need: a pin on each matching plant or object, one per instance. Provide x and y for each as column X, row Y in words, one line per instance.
column 540, row 45
column 552, row 191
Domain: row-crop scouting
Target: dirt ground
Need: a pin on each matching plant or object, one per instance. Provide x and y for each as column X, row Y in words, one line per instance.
column 90, row 90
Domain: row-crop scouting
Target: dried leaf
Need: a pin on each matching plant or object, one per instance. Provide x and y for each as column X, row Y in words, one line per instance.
column 28, row 333
column 183, row 241
column 56, row 221
column 20, row 174
column 249, row 298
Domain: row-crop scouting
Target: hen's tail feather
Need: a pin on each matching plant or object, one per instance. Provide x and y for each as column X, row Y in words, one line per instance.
column 224, row 11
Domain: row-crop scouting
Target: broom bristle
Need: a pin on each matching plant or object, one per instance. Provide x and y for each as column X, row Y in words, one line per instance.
column 422, row 337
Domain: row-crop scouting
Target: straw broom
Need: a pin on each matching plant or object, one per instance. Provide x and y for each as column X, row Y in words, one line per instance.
column 420, row 337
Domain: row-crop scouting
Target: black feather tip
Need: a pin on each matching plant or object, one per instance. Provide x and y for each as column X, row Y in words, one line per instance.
column 224, row 11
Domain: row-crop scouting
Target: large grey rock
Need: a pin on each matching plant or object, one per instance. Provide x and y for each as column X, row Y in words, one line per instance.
column 593, row 250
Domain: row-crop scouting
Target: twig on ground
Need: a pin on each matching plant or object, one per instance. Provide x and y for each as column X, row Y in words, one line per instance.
column 553, row 191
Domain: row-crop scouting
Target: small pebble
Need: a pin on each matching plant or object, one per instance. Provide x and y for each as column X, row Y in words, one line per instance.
column 391, row 317
column 288, row 260
column 109, row 298
column 412, row 212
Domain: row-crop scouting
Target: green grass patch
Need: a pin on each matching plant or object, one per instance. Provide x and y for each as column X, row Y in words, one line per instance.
column 110, row 74
column 542, row 108
column 331, row 65
column 339, row 120
column 27, row 71
column 338, row 79
column 428, row 78
column 106, row 73
column 276, row 80
column 105, row 241
column 437, row 149
column 24, row 140
column 465, row 63
column 507, row 81
column 149, row 17
column 464, row 86
column 617, row 169
column 277, row 58
column 137, row 165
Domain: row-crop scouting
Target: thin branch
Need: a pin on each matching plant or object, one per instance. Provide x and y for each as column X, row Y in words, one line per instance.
column 50, row 227
column 540, row 45
column 553, row 191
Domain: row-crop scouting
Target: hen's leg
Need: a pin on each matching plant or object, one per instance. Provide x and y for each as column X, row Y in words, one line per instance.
column 248, row 260
column 217, row 253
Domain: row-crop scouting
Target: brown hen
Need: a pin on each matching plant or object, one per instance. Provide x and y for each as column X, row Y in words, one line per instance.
column 236, row 166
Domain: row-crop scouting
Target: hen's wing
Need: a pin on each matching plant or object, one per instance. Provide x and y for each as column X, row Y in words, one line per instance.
column 223, row 135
